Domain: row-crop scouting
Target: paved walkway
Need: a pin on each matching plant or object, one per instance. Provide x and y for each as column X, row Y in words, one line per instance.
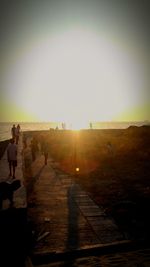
column 67, row 223
column 64, row 213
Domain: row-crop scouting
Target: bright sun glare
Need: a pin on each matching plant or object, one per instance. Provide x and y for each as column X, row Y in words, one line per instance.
column 77, row 122
column 76, row 77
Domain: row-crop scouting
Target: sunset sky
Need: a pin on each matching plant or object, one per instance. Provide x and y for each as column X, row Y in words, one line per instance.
column 74, row 61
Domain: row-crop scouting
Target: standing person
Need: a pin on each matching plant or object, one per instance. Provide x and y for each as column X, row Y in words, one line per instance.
column 34, row 148
column 17, row 133
column 45, row 150
column 110, row 148
column 13, row 132
column 12, row 157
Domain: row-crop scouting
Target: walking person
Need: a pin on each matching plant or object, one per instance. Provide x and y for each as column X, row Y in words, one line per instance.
column 13, row 132
column 34, row 148
column 110, row 149
column 17, row 133
column 91, row 126
column 45, row 150
column 12, row 157
column 45, row 154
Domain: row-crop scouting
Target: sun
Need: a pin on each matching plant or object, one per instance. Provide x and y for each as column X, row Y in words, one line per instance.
column 77, row 124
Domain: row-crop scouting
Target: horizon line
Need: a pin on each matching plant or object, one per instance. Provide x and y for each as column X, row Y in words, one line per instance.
column 107, row 121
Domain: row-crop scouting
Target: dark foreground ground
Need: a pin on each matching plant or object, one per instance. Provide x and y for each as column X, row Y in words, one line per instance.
column 14, row 237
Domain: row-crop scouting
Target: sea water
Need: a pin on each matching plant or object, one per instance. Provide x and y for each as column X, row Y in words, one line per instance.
column 5, row 127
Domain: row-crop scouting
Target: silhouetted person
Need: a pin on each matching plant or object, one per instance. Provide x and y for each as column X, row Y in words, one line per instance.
column 91, row 125
column 45, row 150
column 17, row 133
column 12, row 157
column 63, row 125
column 34, row 148
column 110, row 148
column 13, row 132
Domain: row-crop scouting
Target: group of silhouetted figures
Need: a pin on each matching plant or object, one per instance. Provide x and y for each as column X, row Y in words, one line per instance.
column 15, row 132
column 39, row 146
column 12, row 150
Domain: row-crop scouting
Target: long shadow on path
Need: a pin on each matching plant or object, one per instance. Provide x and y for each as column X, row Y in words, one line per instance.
column 73, row 214
column 34, row 180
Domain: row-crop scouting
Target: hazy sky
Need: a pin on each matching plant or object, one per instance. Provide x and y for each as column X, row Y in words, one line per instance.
column 74, row 61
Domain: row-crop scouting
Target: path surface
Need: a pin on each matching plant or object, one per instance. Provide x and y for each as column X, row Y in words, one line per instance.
column 67, row 222
column 137, row 258
column 64, row 212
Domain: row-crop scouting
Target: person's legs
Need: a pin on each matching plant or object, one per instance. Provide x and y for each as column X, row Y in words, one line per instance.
column 14, row 168
column 10, row 164
column 14, row 171
column 14, row 137
column 17, row 139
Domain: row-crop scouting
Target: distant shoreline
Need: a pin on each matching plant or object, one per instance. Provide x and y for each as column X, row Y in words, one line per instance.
column 5, row 127
column 4, row 143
